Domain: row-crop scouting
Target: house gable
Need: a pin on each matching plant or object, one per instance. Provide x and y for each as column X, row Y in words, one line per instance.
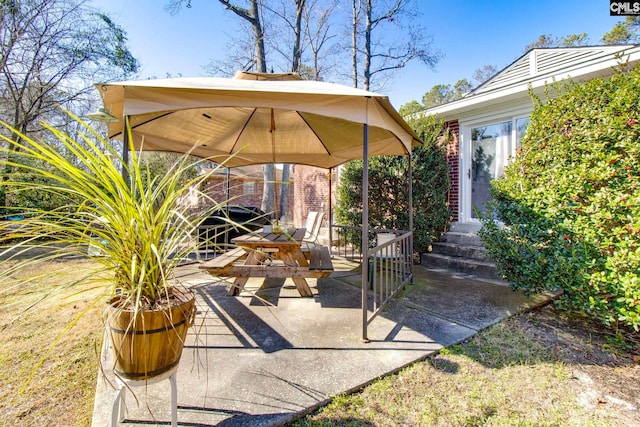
column 536, row 69
column 549, row 63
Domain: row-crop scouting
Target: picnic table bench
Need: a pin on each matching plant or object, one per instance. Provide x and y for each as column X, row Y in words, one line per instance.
column 319, row 260
column 223, row 263
column 272, row 255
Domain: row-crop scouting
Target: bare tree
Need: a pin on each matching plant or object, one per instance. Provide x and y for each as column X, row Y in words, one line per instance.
column 382, row 54
column 305, row 28
column 483, row 74
column 252, row 16
column 295, row 26
column 290, row 32
column 246, row 47
column 317, row 32
column 240, row 53
column 295, row 29
column 356, row 11
column 52, row 52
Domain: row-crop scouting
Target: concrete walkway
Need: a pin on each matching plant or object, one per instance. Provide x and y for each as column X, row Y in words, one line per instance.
column 264, row 361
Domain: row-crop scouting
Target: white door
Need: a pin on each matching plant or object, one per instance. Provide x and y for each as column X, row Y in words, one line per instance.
column 487, row 150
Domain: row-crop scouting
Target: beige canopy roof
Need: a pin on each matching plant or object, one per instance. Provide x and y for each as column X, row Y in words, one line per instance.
column 264, row 118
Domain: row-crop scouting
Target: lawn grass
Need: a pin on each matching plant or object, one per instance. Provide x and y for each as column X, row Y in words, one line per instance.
column 61, row 391
column 534, row 369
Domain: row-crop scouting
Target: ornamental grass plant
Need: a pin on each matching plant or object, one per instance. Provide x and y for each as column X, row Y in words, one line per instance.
column 135, row 225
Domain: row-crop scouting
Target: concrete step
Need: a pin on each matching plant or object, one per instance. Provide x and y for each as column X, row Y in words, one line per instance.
column 465, row 227
column 461, row 238
column 460, row 251
column 479, row 268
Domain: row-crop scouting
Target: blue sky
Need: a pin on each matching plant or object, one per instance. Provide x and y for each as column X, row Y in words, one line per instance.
column 470, row 34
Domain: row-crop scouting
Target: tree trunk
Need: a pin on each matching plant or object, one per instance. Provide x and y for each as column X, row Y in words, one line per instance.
column 268, row 190
column 295, row 65
column 367, row 45
column 252, row 16
column 261, row 59
column 284, row 191
column 268, row 187
column 354, row 41
column 297, row 33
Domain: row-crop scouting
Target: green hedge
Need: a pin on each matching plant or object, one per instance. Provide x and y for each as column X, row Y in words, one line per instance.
column 566, row 216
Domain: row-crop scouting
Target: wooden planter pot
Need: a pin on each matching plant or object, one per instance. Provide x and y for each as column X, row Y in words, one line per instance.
column 152, row 343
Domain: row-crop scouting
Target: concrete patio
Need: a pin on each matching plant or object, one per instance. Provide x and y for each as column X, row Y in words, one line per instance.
column 253, row 361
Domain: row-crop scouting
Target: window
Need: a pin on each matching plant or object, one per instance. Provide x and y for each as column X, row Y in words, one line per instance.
column 521, row 126
column 492, row 148
column 249, row 187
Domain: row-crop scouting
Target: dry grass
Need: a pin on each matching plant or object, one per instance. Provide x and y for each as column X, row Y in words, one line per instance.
column 61, row 391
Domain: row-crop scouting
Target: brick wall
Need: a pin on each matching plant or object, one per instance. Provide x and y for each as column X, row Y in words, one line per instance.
column 311, row 192
column 242, row 191
column 453, row 159
column 238, row 194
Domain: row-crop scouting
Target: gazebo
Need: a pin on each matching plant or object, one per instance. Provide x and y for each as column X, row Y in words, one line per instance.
column 258, row 118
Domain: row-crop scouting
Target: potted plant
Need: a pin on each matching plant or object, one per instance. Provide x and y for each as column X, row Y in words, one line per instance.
column 134, row 223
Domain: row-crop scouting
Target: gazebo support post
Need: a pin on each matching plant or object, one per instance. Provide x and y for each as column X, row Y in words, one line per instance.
column 227, row 178
column 125, row 150
column 365, row 230
column 330, row 214
column 410, row 174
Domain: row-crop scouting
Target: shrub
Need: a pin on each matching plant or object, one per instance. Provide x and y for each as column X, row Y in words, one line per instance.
column 566, row 216
column 388, row 189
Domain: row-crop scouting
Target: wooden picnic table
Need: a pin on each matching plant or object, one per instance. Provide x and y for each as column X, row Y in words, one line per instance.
column 270, row 254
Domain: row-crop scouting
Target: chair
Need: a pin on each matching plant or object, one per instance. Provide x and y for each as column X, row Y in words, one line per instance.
column 389, row 257
column 312, row 224
column 383, row 238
